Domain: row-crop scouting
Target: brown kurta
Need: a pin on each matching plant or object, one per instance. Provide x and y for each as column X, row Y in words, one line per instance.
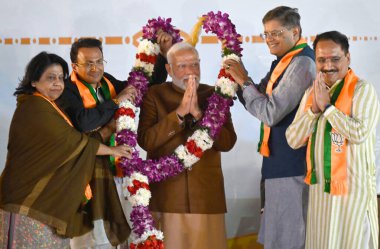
column 200, row 190
column 48, row 166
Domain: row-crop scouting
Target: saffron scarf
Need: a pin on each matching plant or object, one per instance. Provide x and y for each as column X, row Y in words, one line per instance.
column 90, row 100
column 335, row 145
column 88, row 94
column 263, row 146
column 55, row 107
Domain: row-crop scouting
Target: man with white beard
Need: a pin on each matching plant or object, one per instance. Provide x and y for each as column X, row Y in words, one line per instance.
column 188, row 208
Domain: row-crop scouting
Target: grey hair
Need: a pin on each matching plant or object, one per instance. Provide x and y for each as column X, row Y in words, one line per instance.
column 180, row 46
column 287, row 16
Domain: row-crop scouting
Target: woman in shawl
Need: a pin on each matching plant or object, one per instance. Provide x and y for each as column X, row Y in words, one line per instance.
column 52, row 188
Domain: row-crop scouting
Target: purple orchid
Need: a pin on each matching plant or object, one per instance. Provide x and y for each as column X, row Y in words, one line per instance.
column 151, row 29
column 215, row 115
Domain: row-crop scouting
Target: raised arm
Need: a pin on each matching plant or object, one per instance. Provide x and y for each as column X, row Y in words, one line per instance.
column 285, row 97
column 303, row 124
column 85, row 119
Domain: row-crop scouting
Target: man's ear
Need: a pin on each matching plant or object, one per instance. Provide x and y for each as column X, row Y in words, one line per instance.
column 169, row 69
column 296, row 32
column 74, row 67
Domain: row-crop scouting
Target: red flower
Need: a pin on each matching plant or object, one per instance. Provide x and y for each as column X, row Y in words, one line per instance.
column 151, row 243
column 194, row 149
column 223, row 73
column 136, row 186
column 146, row 58
column 124, row 111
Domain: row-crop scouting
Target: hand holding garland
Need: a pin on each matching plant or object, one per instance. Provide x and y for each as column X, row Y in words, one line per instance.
column 128, row 93
column 236, row 70
column 142, row 172
column 165, row 41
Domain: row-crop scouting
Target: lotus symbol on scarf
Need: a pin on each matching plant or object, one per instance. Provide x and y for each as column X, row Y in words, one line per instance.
column 337, row 139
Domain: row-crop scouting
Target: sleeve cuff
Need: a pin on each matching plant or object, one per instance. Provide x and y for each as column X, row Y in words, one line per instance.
column 313, row 115
column 250, row 92
column 329, row 110
column 172, row 117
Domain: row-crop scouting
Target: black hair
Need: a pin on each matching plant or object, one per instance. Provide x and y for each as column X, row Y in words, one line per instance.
column 84, row 43
column 334, row 36
column 36, row 67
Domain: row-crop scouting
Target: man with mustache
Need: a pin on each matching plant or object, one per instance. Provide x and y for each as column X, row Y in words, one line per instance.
column 274, row 102
column 91, row 98
column 189, row 208
column 337, row 120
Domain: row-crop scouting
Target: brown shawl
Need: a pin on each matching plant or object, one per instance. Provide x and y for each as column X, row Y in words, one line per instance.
column 48, row 166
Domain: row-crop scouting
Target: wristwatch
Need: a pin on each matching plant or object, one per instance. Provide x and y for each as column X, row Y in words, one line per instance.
column 327, row 106
column 246, row 84
column 116, row 101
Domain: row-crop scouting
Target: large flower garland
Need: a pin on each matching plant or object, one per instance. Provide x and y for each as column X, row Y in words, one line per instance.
column 139, row 173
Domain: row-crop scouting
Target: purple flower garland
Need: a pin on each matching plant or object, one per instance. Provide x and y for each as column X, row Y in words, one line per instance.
column 215, row 116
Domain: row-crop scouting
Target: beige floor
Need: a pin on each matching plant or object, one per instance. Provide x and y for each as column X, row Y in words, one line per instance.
column 249, row 241
column 244, row 242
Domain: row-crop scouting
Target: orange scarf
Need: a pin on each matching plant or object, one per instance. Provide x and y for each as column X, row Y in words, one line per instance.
column 88, row 99
column 335, row 145
column 55, row 107
column 263, row 146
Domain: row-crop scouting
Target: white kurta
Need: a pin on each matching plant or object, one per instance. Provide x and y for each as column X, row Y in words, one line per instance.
column 97, row 237
column 337, row 221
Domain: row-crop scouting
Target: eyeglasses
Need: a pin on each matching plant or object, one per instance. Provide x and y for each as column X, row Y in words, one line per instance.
column 333, row 60
column 182, row 66
column 89, row 65
column 55, row 77
column 274, row 34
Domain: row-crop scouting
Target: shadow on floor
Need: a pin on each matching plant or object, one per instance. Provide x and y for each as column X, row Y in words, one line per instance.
column 244, row 242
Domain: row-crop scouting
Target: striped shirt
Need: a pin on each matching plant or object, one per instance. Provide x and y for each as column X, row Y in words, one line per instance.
column 335, row 222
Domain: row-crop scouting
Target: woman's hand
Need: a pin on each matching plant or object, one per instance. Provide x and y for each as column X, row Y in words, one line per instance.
column 121, row 151
column 117, row 151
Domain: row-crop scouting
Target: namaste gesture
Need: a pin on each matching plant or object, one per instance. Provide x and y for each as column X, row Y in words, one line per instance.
column 321, row 97
column 189, row 103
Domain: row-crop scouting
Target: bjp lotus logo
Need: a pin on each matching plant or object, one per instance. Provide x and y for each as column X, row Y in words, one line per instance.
column 338, row 140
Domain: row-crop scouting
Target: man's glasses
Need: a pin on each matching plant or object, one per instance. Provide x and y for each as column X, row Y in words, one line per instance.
column 91, row 65
column 182, row 66
column 274, row 34
column 333, row 60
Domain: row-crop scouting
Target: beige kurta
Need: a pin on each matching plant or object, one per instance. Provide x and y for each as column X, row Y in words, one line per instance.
column 337, row 221
column 192, row 231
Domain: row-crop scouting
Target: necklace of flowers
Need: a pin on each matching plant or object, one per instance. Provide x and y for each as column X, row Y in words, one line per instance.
column 138, row 172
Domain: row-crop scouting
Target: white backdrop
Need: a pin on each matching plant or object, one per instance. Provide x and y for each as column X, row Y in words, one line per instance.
column 29, row 27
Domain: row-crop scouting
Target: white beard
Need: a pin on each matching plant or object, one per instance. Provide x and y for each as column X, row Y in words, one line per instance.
column 181, row 83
